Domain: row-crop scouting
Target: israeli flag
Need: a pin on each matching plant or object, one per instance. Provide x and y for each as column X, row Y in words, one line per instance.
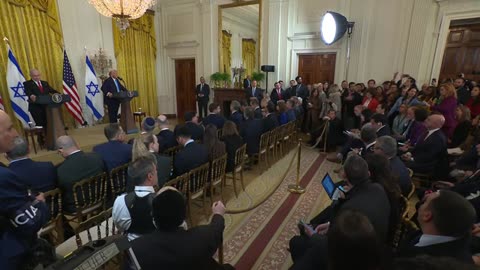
column 93, row 96
column 16, row 90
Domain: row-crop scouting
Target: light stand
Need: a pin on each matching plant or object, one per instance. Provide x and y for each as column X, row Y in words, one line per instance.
column 349, row 43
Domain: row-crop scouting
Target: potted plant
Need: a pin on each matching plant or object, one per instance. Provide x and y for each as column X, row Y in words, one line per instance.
column 225, row 77
column 216, row 78
column 258, row 76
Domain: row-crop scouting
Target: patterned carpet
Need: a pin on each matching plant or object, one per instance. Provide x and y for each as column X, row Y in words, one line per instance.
column 259, row 238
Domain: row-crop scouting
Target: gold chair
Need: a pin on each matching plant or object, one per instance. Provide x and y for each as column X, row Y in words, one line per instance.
column 89, row 196
column 197, row 186
column 238, row 168
column 263, row 149
column 180, row 183
column 421, row 179
column 53, row 228
column 405, row 227
column 217, row 175
column 399, row 231
column 118, row 180
column 412, row 191
column 91, row 223
column 219, row 133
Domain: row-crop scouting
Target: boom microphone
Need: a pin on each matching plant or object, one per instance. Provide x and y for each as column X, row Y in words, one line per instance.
column 120, row 78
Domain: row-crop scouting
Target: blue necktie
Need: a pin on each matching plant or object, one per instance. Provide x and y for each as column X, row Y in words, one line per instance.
column 116, row 84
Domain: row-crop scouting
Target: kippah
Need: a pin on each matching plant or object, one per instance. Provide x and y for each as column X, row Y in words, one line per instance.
column 168, row 210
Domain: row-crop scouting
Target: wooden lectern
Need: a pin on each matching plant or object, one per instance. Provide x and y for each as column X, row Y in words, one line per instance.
column 126, row 117
column 224, row 96
column 55, row 127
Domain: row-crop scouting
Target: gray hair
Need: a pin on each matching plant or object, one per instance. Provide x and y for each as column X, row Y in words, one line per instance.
column 162, row 120
column 65, row 142
column 368, row 134
column 248, row 113
column 388, row 146
column 356, row 169
column 139, row 169
column 235, row 105
column 19, row 150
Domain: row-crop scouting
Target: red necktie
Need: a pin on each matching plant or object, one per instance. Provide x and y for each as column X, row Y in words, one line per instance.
column 40, row 86
column 279, row 94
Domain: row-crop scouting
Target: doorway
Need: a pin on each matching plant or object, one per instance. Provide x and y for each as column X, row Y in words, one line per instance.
column 185, row 85
column 315, row 68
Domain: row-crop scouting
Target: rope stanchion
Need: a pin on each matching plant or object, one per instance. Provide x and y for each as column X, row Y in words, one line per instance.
column 297, row 188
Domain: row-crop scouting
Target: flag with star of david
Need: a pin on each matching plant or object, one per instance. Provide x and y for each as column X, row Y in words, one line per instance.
column 93, row 95
column 16, row 90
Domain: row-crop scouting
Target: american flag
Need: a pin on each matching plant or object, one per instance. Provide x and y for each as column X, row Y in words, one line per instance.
column 70, row 88
column 1, row 104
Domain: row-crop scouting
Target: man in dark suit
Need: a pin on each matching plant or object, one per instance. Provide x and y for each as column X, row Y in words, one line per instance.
column 116, row 151
column 112, row 85
column 203, row 96
column 270, row 122
column 166, row 137
column 257, row 111
column 236, row 116
column 192, row 124
column 446, row 220
column 214, row 116
column 430, row 152
column 290, row 91
column 300, row 89
column 277, row 94
column 463, row 94
column 77, row 166
column 251, row 130
column 191, row 156
column 380, row 124
column 174, row 246
column 254, row 91
column 35, row 175
column 247, row 82
column 33, row 88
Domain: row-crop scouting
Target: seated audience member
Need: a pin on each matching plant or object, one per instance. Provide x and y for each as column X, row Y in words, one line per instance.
column 425, row 262
column 380, row 108
column 146, row 145
column 236, row 113
column 362, row 145
column 215, row 147
column 369, row 101
column 191, row 156
column 334, row 134
column 172, row 247
column 298, row 107
column 400, row 121
column 415, row 128
column 351, row 233
column 214, row 116
column 380, row 124
column 291, row 116
column 428, row 95
column 474, row 102
column 251, row 130
column 270, row 122
column 387, row 147
column 446, row 105
column 148, row 124
column 115, row 152
column 257, row 111
column 166, row 137
column 191, row 123
column 363, row 196
column 446, row 220
column 464, row 124
column 233, row 141
column 35, row 175
column 282, row 112
column 131, row 212
column 409, row 99
column 469, row 160
column 430, row 152
column 77, row 166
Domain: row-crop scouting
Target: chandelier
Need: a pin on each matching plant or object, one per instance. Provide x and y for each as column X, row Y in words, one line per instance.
column 122, row 10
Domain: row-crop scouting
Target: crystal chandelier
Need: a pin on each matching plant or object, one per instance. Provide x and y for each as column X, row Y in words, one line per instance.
column 122, row 10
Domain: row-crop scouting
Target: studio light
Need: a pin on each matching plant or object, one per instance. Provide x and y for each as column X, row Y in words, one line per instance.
column 333, row 27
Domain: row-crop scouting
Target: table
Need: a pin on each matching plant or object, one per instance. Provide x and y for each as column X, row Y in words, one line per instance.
column 32, row 131
column 140, row 116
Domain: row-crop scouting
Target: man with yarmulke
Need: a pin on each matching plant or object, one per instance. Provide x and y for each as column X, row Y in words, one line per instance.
column 171, row 246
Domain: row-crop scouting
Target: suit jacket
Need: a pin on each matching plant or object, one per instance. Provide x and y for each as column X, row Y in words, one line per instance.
column 251, row 131
column 114, row 153
column 214, row 119
column 258, row 113
column 196, row 130
column 301, row 91
column 205, row 91
column 274, row 95
column 38, row 176
column 164, row 168
column 383, row 131
column 463, row 95
column 270, row 122
column 247, row 83
column 166, row 139
column 404, row 181
column 109, row 86
column 237, row 118
column 76, row 167
column 190, row 157
column 232, row 143
column 181, row 249
column 427, row 152
column 31, row 88
column 258, row 93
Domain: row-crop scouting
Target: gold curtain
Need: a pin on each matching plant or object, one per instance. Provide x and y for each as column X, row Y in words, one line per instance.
column 136, row 52
column 248, row 55
column 226, row 53
column 35, row 35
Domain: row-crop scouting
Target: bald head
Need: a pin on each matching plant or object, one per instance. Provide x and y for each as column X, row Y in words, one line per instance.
column 162, row 121
column 435, row 121
column 35, row 74
column 7, row 133
column 66, row 145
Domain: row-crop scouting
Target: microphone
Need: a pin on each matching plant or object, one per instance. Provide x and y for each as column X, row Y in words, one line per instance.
column 120, row 78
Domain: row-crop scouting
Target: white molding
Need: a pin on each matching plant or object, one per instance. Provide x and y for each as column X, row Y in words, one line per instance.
column 307, row 35
column 182, row 44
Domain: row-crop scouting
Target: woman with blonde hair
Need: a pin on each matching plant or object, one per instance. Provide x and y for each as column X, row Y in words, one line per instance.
column 446, row 105
column 146, row 145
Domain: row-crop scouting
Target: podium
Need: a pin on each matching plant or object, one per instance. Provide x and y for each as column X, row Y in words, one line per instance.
column 55, row 127
column 126, row 117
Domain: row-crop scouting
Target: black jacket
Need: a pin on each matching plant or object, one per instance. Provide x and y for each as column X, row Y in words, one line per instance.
column 232, row 143
column 205, row 91
column 251, row 131
column 109, row 86
column 193, row 155
column 270, row 122
column 166, row 139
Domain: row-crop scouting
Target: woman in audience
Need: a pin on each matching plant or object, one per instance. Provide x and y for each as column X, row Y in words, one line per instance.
column 323, row 101
column 429, row 95
column 282, row 112
column 462, row 115
column 369, row 101
column 146, row 145
column 474, row 102
column 380, row 94
column 400, row 121
column 314, row 108
column 409, row 99
column 233, row 141
column 216, row 148
column 335, row 100
column 446, row 105
column 417, row 128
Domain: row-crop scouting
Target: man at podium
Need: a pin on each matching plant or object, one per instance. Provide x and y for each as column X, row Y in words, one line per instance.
column 33, row 88
column 110, row 86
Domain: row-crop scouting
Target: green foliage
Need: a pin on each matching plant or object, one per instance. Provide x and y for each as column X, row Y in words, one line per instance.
column 258, row 76
column 219, row 77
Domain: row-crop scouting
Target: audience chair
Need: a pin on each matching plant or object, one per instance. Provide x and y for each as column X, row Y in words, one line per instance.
column 197, row 188
column 172, row 151
column 412, row 191
column 422, row 179
column 238, row 168
column 180, row 183
column 405, row 228
column 263, row 150
column 286, row 137
column 219, row 133
column 272, row 145
column 217, row 175
column 92, row 223
column 53, row 228
column 118, row 180
column 89, row 195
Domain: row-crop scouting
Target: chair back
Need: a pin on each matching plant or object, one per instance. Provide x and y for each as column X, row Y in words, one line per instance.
column 90, row 194
column 118, row 180
column 240, row 156
column 180, row 183
column 92, row 223
column 198, row 178
column 403, row 207
column 172, row 150
column 264, row 139
column 53, row 199
column 217, row 169
column 219, row 133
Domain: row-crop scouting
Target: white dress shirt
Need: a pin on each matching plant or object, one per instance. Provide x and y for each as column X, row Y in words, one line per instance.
column 428, row 240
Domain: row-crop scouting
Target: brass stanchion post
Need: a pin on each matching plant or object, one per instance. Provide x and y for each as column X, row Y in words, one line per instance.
column 297, row 188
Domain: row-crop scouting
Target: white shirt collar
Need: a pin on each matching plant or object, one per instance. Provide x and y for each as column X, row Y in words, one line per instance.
column 370, row 144
column 144, row 189
column 76, row 151
column 18, row 159
column 189, row 141
column 380, row 128
column 164, row 129
column 428, row 240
